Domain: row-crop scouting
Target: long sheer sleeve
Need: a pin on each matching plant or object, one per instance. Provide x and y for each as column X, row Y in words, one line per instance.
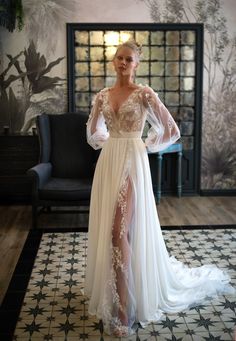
column 97, row 132
column 164, row 131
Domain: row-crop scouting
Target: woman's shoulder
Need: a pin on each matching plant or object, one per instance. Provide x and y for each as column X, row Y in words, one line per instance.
column 146, row 90
column 98, row 96
column 104, row 90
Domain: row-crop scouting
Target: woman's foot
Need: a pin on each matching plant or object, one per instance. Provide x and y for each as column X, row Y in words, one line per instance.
column 120, row 331
column 122, row 328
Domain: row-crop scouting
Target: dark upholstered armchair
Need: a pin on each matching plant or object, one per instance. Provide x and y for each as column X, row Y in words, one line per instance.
column 64, row 174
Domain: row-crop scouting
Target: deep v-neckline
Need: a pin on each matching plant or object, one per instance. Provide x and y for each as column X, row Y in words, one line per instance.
column 122, row 104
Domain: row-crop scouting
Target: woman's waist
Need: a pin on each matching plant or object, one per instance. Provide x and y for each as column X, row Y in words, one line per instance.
column 125, row 134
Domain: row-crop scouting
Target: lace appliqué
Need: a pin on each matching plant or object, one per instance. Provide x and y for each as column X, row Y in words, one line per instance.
column 129, row 117
column 170, row 123
column 117, row 261
column 122, row 204
column 112, row 320
column 120, row 262
column 117, row 265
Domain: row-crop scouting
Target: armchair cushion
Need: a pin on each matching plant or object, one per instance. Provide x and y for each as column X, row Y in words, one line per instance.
column 66, row 189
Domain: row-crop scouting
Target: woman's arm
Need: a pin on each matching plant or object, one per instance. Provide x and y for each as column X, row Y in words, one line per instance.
column 97, row 132
column 164, row 131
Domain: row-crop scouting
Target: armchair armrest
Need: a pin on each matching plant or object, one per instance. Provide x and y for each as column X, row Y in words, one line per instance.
column 40, row 174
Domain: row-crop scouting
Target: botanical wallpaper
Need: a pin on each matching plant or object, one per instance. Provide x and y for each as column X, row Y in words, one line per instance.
column 33, row 67
column 219, row 110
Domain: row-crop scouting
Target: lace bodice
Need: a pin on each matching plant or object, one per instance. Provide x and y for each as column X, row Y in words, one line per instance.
column 128, row 118
column 141, row 105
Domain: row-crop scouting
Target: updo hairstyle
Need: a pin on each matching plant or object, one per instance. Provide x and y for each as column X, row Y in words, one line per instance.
column 133, row 45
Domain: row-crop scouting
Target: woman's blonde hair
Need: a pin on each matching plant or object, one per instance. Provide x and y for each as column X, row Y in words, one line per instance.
column 133, row 45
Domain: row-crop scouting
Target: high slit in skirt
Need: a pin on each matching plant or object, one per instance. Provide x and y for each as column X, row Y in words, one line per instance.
column 130, row 277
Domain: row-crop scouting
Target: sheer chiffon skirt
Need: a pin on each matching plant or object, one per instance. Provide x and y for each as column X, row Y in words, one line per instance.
column 130, row 277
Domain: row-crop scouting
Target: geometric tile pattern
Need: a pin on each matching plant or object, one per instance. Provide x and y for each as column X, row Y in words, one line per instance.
column 54, row 307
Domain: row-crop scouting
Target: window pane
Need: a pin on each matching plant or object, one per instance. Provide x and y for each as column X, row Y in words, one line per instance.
column 97, row 83
column 172, row 68
column 96, row 38
column 81, row 84
column 172, row 83
column 157, row 38
column 157, row 53
column 145, row 53
column 187, row 68
column 157, row 83
column 97, row 69
column 112, row 38
column 187, row 83
column 187, row 98
column 81, row 53
column 81, row 37
column 143, row 69
column 81, row 69
column 172, row 98
column 172, row 53
column 96, row 53
column 187, row 53
column 186, row 113
column 142, row 37
column 110, row 69
column 126, row 35
column 157, row 68
column 81, row 99
column 186, row 128
column 110, row 52
column 188, row 38
column 172, row 38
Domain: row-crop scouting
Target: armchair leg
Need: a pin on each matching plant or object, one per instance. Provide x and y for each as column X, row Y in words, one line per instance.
column 34, row 216
column 179, row 180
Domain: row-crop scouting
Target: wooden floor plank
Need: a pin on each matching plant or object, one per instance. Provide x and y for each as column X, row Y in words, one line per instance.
column 15, row 223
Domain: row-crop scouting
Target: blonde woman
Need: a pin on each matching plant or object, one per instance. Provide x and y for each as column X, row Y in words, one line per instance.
column 130, row 277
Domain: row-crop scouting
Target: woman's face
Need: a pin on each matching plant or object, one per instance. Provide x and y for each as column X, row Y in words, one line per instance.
column 125, row 61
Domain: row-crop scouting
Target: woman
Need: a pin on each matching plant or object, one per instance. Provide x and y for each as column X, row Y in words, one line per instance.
column 130, row 276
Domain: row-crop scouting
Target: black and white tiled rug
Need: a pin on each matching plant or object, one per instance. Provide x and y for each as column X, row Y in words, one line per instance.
column 54, row 308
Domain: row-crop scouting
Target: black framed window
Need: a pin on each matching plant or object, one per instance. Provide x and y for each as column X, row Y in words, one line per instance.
column 171, row 63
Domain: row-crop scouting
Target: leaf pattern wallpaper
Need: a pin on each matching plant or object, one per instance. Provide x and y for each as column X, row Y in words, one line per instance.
column 218, row 169
column 33, row 67
column 27, row 89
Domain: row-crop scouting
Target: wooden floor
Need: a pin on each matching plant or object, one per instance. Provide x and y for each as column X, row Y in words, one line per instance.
column 15, row 223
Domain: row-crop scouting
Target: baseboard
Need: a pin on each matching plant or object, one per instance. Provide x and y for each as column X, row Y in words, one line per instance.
column 198, row 227
column 15, row 200
column 218, row 192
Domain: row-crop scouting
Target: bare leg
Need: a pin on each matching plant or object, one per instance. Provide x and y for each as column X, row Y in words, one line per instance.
column 121, row 248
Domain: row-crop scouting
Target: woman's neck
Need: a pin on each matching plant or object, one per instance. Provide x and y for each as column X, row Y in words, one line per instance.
column 124, row 82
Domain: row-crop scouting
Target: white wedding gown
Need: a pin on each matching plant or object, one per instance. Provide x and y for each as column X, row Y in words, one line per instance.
column 130, row 277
